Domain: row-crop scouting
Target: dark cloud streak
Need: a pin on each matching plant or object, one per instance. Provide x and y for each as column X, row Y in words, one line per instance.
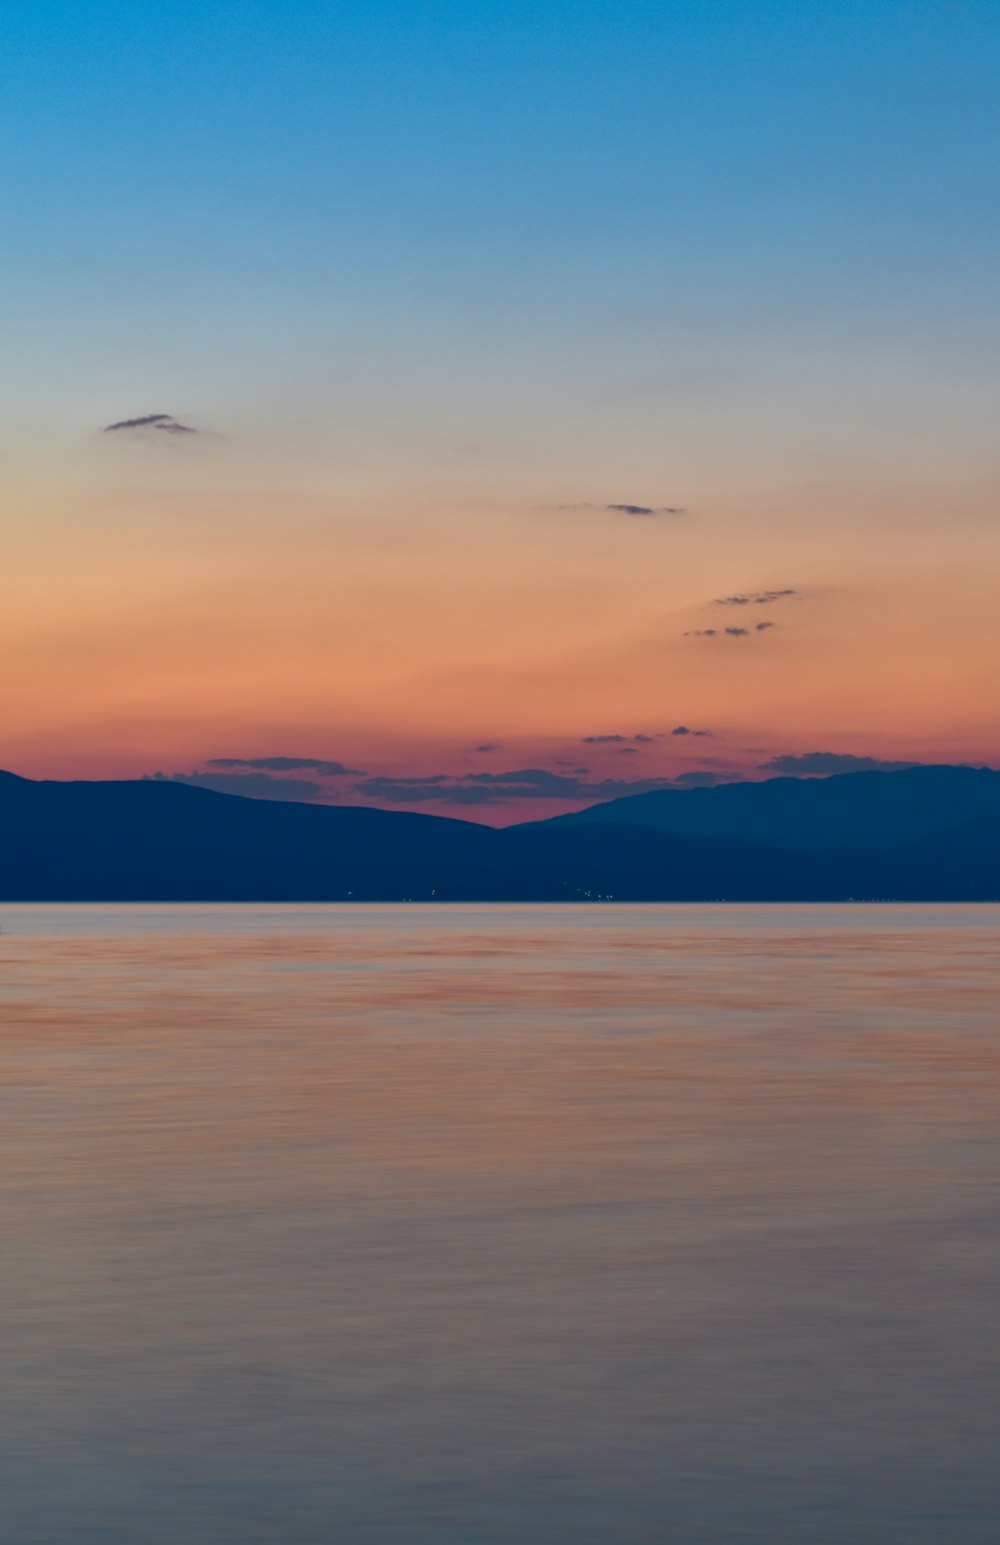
column 492, row 788
column 617, row 740
column 249, row 785
column 759, row 627
column 824, row 763
column 626, row 508
column 164, row 422
column 645, row 509
column 755, row 598
column 283, row 764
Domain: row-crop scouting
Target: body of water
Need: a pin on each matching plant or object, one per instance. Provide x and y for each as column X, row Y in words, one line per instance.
column 499, row 1225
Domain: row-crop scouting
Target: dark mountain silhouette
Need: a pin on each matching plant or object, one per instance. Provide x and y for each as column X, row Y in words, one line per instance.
column 159, row 840
column 858, row 810
column 156, row 840
column 958, row 865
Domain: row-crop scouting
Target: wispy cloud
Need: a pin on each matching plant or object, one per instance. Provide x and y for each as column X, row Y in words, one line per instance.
column 624, row 507
column 646, row 509
column 165, row 423
column 279, row 778
column 285, row 764
column 682, row 729
column 251, row 785
column 823, row 763
column 760, row 627
column 754, row 598
column 492, row 788
column 269, row 777
column 616, row 740
column 702, row 779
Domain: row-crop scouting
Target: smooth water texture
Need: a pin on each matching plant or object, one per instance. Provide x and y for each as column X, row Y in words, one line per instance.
column 499, row 1226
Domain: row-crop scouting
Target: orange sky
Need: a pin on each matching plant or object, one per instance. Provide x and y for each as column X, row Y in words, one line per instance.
column 427, row 292
column 168, row 603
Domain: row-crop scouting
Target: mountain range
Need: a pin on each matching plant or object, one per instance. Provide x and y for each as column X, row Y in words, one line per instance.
column 923, row 833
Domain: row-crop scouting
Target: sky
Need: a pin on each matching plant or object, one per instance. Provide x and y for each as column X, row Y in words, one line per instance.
column 542, row 402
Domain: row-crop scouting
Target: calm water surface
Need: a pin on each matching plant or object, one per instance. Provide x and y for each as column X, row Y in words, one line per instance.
column 499, row 1226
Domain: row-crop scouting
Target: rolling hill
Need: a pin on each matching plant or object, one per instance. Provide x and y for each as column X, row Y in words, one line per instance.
column 848, row 810
column 155, row 840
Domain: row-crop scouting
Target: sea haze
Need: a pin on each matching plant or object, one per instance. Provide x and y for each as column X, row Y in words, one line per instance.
column 500, row 1225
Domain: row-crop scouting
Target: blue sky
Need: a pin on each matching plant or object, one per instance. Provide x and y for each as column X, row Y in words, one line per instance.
column 250, row 187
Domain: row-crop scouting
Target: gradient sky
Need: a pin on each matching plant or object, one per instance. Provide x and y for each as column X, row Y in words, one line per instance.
column 438, row 286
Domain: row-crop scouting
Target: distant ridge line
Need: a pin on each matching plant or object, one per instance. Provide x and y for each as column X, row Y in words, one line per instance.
column 920, row 834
